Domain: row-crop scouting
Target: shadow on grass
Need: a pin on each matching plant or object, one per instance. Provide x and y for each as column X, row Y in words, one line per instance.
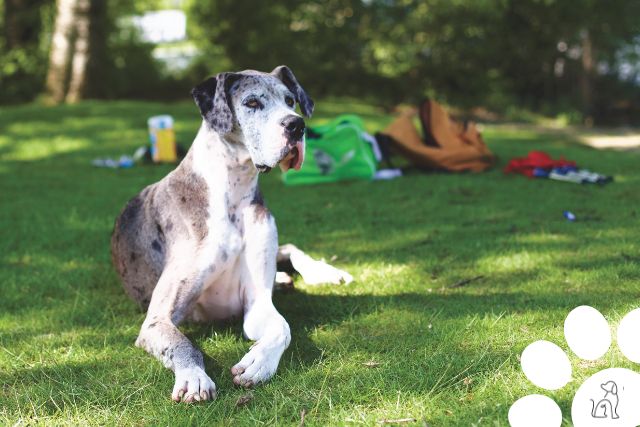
column 407, row 241
column 357, row 336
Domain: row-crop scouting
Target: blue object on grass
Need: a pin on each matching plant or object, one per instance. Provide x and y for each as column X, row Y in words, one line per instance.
column 541, row 173
column 569, row 215
column 123, row 162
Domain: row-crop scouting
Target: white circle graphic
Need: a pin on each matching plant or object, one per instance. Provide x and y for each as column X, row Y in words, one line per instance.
column 629, row 335
column 587, row 333
column 608, row 398
column 546, row 365
column 535, row 410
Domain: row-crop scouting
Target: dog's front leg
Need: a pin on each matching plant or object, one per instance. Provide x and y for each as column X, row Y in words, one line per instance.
column 178, row 288
column 262, row 322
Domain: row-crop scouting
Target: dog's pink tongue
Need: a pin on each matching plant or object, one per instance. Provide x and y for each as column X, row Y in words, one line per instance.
column 300, row 157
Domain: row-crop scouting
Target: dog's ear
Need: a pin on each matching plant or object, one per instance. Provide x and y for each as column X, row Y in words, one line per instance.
column 285, row 75
column 610, row 387
column 212, row 98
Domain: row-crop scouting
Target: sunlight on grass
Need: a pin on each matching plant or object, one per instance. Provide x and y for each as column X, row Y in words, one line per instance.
column 383, row 271
column 454, row 275
column 626, row 179
column 45, row 260
column 544, row 238
column 37, row 148
column 516, row 262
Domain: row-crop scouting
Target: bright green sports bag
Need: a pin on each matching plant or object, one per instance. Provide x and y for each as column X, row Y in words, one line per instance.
column 334, row 152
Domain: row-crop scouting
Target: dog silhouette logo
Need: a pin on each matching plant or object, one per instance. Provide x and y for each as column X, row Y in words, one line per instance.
column 607, row 407
column 324, row 161
column 327, row 164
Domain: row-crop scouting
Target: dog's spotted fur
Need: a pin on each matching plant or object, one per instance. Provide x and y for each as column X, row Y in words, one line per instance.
column 200, row 244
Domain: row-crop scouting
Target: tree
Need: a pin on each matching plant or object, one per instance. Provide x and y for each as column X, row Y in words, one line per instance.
column 78, row 42
column 60, row 54
column 80, row 57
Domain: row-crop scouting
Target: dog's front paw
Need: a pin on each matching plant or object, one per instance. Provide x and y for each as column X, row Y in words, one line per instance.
column 257, row 366
column 193, row 385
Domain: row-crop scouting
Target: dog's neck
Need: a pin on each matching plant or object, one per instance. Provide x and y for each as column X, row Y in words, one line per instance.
column 222, row 160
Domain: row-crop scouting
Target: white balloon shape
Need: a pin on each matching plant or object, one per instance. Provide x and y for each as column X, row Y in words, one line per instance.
column 587, row 333
column 546, row 365
column 608, row 398
column 535, row 410
column 629, row 335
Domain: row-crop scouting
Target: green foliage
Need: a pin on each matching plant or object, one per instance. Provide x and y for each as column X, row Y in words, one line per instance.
column 23, row 66
column 446, row 356
column 498, row 54
column 131, row 72
column 319, row 40
column 21, row 74
column 124, row 67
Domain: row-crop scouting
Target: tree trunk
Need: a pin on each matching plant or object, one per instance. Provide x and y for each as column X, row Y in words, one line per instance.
column 61, row 45
column 78, row 50
column 80, row 59
column 100, row 27
column 586, row 86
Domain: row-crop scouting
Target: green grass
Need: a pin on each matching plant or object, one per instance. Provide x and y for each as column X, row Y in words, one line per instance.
column 447, row 356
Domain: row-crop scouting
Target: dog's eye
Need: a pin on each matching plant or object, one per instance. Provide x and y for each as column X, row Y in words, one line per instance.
column 289, row 101
column 253, row 103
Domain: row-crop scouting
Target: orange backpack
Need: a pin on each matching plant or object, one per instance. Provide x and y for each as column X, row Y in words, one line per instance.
column 447, row 145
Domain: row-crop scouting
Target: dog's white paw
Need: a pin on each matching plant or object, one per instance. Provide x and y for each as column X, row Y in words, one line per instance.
column 320, row 272
column 257, row 366
column 283, row 280
column 193, row 385
column 315, row 272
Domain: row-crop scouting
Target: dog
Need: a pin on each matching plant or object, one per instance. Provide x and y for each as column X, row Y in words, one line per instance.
column 200, row 245
column 608, row 405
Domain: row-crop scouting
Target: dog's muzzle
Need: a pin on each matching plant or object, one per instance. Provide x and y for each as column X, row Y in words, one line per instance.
column 293, row 153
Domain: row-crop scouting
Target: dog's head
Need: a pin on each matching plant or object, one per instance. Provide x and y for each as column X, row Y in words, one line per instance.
column 258, row 110
column 609, row 387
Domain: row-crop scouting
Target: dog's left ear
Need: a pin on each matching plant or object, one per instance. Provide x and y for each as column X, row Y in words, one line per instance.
column 285, row 75
column 212, row 98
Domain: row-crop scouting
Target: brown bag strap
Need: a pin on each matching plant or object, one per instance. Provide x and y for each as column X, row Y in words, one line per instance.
column 425, row 122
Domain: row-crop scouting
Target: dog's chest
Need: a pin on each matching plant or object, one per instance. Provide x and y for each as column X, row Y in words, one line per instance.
column 230, row 193
column 222, row 299
column 222, row 295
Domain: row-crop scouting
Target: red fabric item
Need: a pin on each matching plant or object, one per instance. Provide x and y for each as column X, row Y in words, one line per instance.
column 534, row 160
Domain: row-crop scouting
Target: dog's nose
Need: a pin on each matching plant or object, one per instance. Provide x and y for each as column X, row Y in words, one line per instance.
column 293, row 127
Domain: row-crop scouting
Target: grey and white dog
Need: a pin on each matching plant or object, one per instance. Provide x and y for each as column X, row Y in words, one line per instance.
column 200, row 244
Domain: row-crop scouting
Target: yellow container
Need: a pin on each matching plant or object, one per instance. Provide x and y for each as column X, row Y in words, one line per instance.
column 163, row 139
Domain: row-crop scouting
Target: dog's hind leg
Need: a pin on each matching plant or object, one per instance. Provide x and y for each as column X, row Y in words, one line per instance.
column 314, row 272
column 262, row 322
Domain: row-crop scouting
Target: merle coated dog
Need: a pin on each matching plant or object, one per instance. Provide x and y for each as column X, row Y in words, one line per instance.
column 200, row 244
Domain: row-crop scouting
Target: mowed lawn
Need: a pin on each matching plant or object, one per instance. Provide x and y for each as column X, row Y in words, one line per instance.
column 402, row 341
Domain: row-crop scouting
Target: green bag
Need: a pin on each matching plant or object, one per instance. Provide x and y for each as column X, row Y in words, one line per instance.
column 334, row 152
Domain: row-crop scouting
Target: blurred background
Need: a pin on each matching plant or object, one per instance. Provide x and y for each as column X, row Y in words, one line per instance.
column 456, row 273
column 574, row 60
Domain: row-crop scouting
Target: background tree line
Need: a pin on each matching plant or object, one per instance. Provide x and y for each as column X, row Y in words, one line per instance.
column 576, row 57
